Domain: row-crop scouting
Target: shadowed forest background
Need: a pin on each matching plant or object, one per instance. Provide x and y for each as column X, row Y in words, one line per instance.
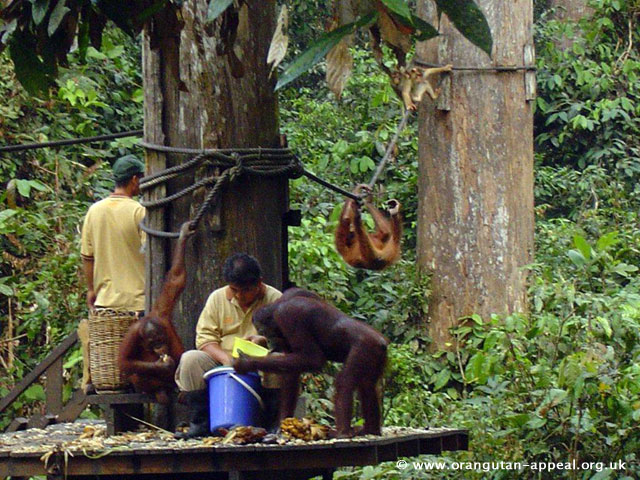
column 556, row 383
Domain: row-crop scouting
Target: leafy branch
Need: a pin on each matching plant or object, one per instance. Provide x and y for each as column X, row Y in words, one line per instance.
column 40, row 33
column 390, row 21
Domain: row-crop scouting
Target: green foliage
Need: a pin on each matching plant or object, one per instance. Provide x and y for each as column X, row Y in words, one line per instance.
column 587, row 109
column 44, row 195
column 41, row 33
column 320, row 48
column 560, row 382
column 307, row 19
column 35, row 72
column 470, row 21
column 465, row 16
column 535, row 388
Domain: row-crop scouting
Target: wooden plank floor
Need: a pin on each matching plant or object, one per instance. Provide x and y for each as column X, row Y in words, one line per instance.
column 80, row 449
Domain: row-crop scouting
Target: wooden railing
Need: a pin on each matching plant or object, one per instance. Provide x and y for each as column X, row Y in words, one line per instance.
column 56, row 410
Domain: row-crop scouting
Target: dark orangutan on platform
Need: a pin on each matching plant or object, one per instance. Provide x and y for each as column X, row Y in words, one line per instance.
column 151, row 349
column 310, row 332
column 361, row 249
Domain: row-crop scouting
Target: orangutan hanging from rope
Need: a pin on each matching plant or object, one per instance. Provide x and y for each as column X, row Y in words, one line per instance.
column 361, row 249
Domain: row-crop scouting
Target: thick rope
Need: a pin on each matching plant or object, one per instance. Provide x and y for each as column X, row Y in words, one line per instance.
column 164, row 175
column 212, row 197
column 158, row 233
column 71, row 141
column 390, row 147
column 163, row 201
column 210, row 151
column 324, row 183
column 498, row 68
column 237, row 161
column 257, row 161
column 209, row 200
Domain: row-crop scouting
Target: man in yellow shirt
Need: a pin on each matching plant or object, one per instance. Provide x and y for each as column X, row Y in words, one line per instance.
column 227, row 314
column 111, row 248
column 112, row 256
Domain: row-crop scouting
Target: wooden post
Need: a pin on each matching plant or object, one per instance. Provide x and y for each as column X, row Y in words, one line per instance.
column 54, row 387
column 192, row 100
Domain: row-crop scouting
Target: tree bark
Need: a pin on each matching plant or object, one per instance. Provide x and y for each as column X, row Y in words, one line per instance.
column 193, row 101
column 475, row 224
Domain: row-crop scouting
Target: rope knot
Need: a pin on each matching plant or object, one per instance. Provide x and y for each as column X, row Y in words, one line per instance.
column 296, row 168
column 238, row 168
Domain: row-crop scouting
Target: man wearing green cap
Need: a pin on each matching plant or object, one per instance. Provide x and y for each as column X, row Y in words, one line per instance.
column 111, row 247
column 112, row 256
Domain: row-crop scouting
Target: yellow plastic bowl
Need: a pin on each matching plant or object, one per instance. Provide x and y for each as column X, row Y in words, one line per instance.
column 248, row 348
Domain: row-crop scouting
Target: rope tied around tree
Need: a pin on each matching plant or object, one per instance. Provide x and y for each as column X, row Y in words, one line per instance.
column 234, row 163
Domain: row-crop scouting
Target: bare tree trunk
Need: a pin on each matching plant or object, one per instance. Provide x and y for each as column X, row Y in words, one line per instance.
column 475, row 224
column 206, row 107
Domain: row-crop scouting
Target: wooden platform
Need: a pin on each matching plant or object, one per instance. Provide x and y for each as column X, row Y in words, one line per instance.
column 118, row 409
column 81, row 450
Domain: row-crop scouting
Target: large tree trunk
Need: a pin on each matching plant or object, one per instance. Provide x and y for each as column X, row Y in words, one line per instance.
column 475, row 224
column 206, row 107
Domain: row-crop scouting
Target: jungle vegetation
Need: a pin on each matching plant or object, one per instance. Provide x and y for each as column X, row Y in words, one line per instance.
column 556, row 383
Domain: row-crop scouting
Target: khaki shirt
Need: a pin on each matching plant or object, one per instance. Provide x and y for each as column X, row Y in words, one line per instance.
column 222, row 318
column 111, row 236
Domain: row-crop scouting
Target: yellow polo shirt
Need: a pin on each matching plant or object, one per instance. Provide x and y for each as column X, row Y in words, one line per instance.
column 222, row 318
column 111, row 236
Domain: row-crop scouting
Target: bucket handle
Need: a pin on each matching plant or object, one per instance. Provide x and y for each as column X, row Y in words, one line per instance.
column 249, row 389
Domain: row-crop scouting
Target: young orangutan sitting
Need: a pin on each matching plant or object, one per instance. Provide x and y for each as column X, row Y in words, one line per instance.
column 310, row 332
column 151, row 348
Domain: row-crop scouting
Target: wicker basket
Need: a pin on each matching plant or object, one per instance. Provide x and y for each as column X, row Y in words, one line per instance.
column 107, row 328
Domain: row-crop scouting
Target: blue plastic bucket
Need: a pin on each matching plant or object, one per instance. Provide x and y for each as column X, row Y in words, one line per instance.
column 234, row 399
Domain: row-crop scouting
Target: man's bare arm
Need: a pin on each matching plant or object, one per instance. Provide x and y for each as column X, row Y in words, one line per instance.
column 217, row 353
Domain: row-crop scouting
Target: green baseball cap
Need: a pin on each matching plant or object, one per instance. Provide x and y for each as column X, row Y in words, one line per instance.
column 126, row 167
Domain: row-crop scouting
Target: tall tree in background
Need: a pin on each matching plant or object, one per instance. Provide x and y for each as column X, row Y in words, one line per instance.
column 569, row 11
column 193, row 100
column 475, row 218
column 572, row 10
